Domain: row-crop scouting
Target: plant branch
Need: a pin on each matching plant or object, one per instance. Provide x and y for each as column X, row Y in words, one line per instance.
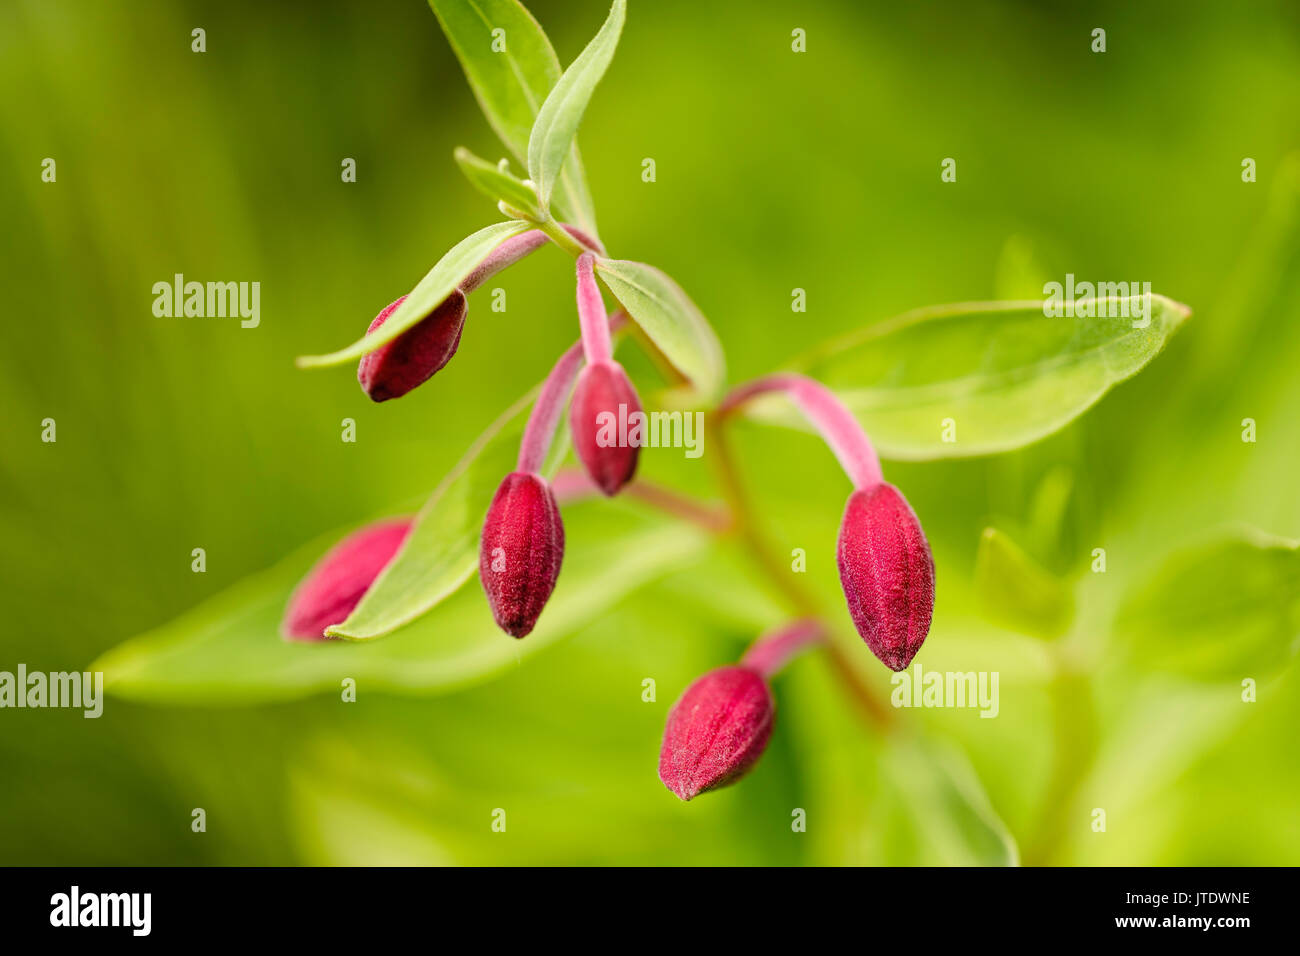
column 760, row 551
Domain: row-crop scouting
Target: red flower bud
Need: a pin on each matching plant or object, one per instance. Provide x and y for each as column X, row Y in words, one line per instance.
column 521, row 551
column 396, row 367
column 603, row 402
column 716, row 731
column 339, row 580
column 887, row 573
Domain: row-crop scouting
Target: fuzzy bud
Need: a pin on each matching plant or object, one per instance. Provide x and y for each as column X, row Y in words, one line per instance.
column 396, row 367
column 603, row 401
column 339, row 580
column 521, row 551
column 716, row 732
column 887, row 573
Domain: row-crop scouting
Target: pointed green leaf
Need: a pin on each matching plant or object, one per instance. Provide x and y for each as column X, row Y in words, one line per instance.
column 437, row 284
column 229, row 652
column 441, row 551
column 1228, row 608
column 943, row 804
column 511, row 84
column 497, row 184
column 557, row 121
column 1017, row 592
column 671, row 320
column 970, row 379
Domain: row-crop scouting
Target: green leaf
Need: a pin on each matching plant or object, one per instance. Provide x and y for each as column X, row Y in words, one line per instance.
column 437, row 284
column 671, row 320
column 497, row 184
column 228, row 651
column 1003, row 373
column 557, row 121
column 512, row 84
column 1226, row 609
column 943, row 806
column 441, row 551
column 1018, row 593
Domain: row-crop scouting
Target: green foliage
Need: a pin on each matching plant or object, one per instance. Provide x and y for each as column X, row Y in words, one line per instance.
column 439, row 283
column 511, row 84
column 1016, row 591
column 670, row 319
column 1222, row 610
column 978, row 378
column 557, row 121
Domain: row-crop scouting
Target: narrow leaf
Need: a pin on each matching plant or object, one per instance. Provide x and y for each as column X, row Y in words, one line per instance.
column 497, row 184
column 1017, row 592
column 511, row 84
column 978, row 378
column 951, row 820
column 228, row 651
column 671, row 320
column 557, row 121
column 441, row 551
column 1228, row 609
column 445, row 276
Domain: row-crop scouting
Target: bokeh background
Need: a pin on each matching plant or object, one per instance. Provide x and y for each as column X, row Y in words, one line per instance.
column 775, row 170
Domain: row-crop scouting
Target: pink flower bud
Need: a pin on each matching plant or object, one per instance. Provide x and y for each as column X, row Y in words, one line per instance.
column 716, row 731
column 339, row 580
column 887, row 573
column 521, row 551
column 396, row 367
column 603, row 403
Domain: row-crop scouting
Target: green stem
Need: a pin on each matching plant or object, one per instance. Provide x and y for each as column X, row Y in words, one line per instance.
column 765, row 558
column 1075, row 749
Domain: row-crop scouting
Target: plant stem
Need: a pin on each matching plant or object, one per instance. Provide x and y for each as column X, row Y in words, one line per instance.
column 774, row 569
column 1074, row 751
column 836, row 424
column 545, row 416
column 774, row 650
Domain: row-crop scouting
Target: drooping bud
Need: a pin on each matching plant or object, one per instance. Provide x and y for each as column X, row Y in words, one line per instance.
column 396, row 367
column 339, row 580
column 521, row 551
column 887, row 573
column 716, row 731
column 603, row 405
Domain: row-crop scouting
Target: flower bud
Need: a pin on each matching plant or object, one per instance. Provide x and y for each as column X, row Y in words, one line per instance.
column 521, row 551
column 339, row 580
column 887, row 573
column 603, row 404
column 716, row 731
column 396, row 367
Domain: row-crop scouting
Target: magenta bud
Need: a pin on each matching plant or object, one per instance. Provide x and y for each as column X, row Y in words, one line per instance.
column 329, row 592
column 716, row 731
column 396, row 367
column 887, row 573
column 521, row 551
column 606, row 438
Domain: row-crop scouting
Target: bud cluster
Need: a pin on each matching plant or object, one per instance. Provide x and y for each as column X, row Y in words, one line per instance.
column 720, row 726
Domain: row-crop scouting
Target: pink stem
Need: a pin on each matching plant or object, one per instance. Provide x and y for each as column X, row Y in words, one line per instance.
column 773, row 650
column 510, row 251
column 545, row 416
column 828, row 415
column 572, row 484
column 591, row 314
column 540, row 430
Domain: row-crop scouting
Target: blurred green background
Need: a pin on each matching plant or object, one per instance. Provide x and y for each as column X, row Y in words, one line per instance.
column 775, row 170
